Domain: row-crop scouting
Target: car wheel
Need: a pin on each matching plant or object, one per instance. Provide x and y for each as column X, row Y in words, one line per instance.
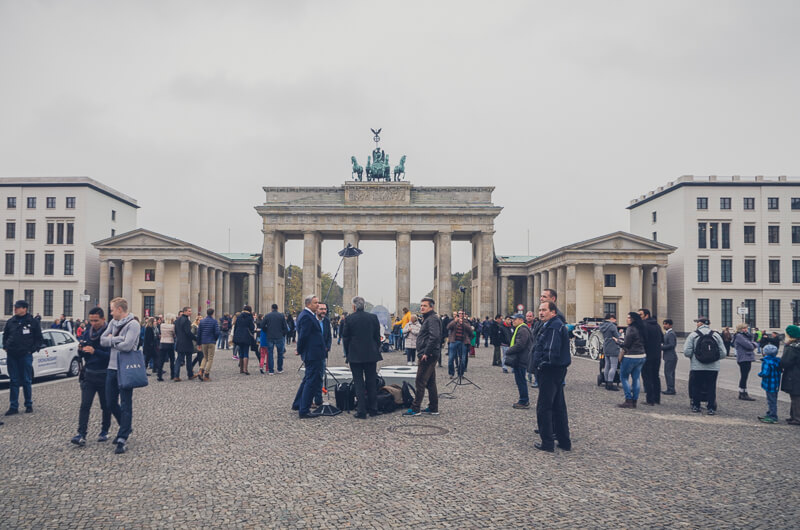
column 74, row 367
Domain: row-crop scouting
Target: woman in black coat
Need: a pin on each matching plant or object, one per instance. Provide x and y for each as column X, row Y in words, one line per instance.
column 243, row 337
column 149, row 347
column 790, row 363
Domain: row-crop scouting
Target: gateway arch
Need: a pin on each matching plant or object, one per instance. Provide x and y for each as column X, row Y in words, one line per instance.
column 398, row 211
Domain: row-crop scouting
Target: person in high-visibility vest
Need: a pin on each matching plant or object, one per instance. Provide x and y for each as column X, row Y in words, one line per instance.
column 517, row 357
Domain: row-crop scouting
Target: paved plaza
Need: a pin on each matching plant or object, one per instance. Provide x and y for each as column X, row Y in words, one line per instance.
column 231, row 453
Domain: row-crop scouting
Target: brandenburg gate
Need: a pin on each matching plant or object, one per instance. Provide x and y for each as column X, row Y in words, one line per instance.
column 396, row 210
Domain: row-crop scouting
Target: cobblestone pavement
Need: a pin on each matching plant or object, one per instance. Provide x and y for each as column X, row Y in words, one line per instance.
column 231, row 453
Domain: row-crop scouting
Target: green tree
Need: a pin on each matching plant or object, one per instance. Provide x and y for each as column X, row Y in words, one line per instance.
column 458, row 280
column 294, row 291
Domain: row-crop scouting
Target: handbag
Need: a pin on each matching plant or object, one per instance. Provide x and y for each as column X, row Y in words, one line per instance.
column 131, row 369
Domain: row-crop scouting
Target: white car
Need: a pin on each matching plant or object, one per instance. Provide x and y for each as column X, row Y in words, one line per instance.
column 59, row 356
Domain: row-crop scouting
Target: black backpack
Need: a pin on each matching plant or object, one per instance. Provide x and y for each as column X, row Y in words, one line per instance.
column 345, row 396
column 386, row 402
column 706, row 350
column 408, row 394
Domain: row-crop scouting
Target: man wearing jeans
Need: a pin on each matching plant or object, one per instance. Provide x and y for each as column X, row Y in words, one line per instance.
column 121, row 335
column 458, row 336
column 22, row 336
column 517, row 358
column 207, row 336
column 275, row 330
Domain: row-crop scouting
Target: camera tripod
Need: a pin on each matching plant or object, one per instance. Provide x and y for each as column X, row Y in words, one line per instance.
column 457, row 381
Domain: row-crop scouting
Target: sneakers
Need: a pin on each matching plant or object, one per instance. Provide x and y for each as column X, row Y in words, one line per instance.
column 28, row 410
column 521, row 405
column 103, row 437
column 767, row 419
column 11, row 412
column 696, row 409
column 280, row 371
column 120, row 448
column 412, row 412
column 78, row 440
column 430, row 412
column 711, row 412
column 409, row 363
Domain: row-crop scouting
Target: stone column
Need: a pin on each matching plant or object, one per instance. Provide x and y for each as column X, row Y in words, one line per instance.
column 251, row 288
column 661, row 293
column 636, row 288
column 503, row 296
column 203, row 271
column 545, row 280
column 311, row 264
column 183, row 280
column 599, row 281
column 443, row 242
column 484, row 283
column 159, row 307
column 572, row 295
column 218, row 300
column 537, row 291
column 104, row 279
column 647, row 286
column 127, row 282
column 212, row 288
column 403, row 277
column 269, row 271
column 226, row 293
column 117, row 280
column 194, row 297
column 562, row 289
column 555, row 282
column 350, row 272
column 529, row 292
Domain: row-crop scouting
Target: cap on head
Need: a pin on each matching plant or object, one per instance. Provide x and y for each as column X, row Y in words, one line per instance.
column 770, row 349
column 518, row 315
column 793, row 331
column 703, row 320
column 21, row 303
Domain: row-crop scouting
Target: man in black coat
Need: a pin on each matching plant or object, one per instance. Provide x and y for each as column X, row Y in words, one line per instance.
column 22, row 336
column 652, row 365
column 327, row 339
column 275, row 329
column 184, row 344
column 429, row 347
column 362, row 342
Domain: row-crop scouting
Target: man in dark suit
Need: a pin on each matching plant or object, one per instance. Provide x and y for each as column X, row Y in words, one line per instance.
column 311, row 349
column 362, row 342
column 327, row 339
column 184, row 344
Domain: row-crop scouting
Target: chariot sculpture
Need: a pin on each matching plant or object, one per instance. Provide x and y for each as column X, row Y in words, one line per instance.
column 378, row 167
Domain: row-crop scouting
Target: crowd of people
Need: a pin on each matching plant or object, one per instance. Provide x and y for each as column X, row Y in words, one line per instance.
column 532, row 346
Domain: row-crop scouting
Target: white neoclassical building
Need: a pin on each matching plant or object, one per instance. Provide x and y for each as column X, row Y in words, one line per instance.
column 738, row 246
column 614, row 273
column 49, row 226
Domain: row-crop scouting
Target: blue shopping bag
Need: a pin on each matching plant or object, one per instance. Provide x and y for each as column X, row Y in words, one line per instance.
column 131, row 370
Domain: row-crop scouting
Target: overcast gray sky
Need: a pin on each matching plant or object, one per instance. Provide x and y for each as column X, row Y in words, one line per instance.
column 569, row 108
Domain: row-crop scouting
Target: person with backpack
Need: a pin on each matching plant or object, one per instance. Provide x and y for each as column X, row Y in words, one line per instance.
column 705, row 348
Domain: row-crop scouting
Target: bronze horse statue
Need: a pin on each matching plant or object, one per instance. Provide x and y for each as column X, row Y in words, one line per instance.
column 357, row 170
column 400, row 169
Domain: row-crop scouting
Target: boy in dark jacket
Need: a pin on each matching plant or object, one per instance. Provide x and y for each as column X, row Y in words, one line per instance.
column 770, row 375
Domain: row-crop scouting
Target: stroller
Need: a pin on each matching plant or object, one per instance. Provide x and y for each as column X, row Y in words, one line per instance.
column 601, row 377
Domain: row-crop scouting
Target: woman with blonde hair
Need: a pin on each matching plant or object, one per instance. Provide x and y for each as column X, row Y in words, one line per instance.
column 745, row 348
column 167, row 348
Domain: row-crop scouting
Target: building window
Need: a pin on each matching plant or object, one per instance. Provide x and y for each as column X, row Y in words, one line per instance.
column 749, row 233
column 750, row 318
column 611, row 280
column 149, row 305
column 113, row 215
column 772, row 203
column 796, row 271
column 49, row 264
column 149, row 275
column 70, row 233
column 30, row 230
column 9, row 263
column 702, row 307
column 610, row 308
column 47, row 310
column 701, row 235
column 9, row 302
column 773, row 234
column 774, row 313
column 31, row 203
column 796, row 234
column 726, row 235
column 749, row 203
column 51, row 202
column 795, row 203
column 30, row 262
column 60, row 233
column 702, row 272
column 70, row 203
column 654, row 217
column 713, row 230
column 702, row 203
column 774, row 271
column 11, row 230
column 11, row 203
column 726, row 315
column 51, row 230
column 69, row 264
column 29, row 298
column 796, row 312
column 655, row 236
column 726, row 270
column 113, row 232
column 725, row 203
column 749, row 271
column 67, row 303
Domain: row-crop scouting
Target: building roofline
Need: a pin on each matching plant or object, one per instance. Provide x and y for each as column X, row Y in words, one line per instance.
column 67, row 182
column 713, row 180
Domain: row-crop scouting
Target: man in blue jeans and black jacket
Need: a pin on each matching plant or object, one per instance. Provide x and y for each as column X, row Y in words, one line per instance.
column 22, row 336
